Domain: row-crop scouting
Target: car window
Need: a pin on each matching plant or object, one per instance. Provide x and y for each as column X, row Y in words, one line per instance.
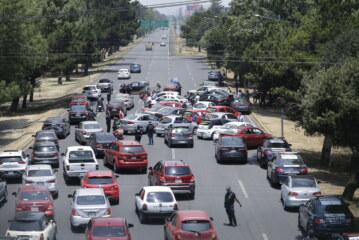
column 100, row 180
column 90, row 200
column 196, row 225
column 105, row 137
column 33, row 196
column 152, row 118
column 174, row 220
column 304, row 182
column 159, row 197
column 145, row 118
column 165, row 120
column 180, row 130
column 45, row 149
column 256, row 131
column 230, row 116
column 185, row 120
column 108, row 231
column 25, row 225
column 232, row 142
column 177, row 171
column 133, row 149
column 80, row 154
column 39, row 173
column 11, row 159
column 277, row 143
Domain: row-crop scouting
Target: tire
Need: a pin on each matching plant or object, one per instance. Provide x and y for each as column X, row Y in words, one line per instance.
column 190, row 145
column 285, row 207
column 169, row 144
column 212, row 136
column 114, row 167
column 299, row 226
column 271, row 181
column 191, row 195
column 158, row 134
column 164, row 234
column 66, row 178
column 56, row 195
column 5, row 195
column 105, row 161
column 142, row 218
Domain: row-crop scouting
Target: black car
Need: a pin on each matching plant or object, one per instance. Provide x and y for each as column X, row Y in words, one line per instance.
column 179, row 135
column 215, row 75
column 325, row 215
column 3, row 191
column 78, row 113
column 136, row 87
column 60, row 125
column 105, row 85
column 135, row 68
column 46, row 136
column 270, row 146
column 231, row 148
column 217, row 99
column 241, row 104
column 114, row 107
column 99, row 141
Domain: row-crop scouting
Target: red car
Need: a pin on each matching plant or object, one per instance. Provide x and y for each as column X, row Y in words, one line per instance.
column 126, row 154
column 170, row 87
column 108, row 228
column 35, row 199
column 189, row 114
column 252, row 136
column 104, row 179
column 190, row 224
column 79, row 100
column 223, row 109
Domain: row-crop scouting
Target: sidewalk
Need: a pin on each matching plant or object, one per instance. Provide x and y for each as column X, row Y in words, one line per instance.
column 16, row 129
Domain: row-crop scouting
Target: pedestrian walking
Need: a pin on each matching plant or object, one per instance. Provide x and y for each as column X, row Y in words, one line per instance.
column 108, row 96
column 150, row 129
column 179, row 88
column 138, row 133
column 108, row 121
column 158, row 85
column 241, row 118
column 229, row 199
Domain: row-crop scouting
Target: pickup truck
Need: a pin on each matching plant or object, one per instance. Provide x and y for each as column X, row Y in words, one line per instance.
column 148, row 46
column 105, row 85
column 77, row 160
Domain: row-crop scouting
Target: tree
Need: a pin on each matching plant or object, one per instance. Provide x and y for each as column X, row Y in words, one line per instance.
column 216, row 6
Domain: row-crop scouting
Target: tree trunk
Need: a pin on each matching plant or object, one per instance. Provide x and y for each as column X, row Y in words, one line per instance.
column 32, row 89
column 59, row 80
column 14, row 104
column 67, row 77
column 199, row 48
column 236, row 82
column 353, row 183
column 326, row 151
column 86, row 69
column 24, row 101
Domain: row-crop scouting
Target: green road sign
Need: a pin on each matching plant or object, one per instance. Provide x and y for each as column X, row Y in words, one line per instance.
column 154, row 23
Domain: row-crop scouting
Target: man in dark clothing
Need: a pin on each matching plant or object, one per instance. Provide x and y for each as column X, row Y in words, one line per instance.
column 138, row 133
column 150, row 129
column 108, row 121
column 92, row 116
column 229, row 199
column 108, row 96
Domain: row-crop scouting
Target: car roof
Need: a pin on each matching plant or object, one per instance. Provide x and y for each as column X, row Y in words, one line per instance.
column 108, row 221
column 28, row 216
column 221, row 113
column 157, row 189
column 129, row 142
column 10, row 153
column 301, row 176
column 89, row 122
column 78, row 148
column 99, row 173
column 192, row 214
column 33, row 188
column 54, row 118
column 89, row 191
column 46, row 131
column 47, row 143
column 180, row 125
column 39, row 166
column 176, row 163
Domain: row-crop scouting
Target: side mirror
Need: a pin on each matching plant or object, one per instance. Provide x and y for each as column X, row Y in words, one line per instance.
column 14, row 194
column 69, row 196
column 63, row 154
column 137, row 194
column 130, row 225
column 211, row 218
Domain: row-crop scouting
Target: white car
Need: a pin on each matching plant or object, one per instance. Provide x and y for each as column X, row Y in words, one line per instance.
column 155, row 202
column 163, row 44
column 203, row 105
column 213, row 122
column 229, row 126
column 172, row 98
column 32, row 226
column 167, row 93
column 127, row 99
column 42, row 174
column 77, row 160
column 91, row 91
column 124, row 74
column 13, row 163
column 88, row 203
column 85, row 129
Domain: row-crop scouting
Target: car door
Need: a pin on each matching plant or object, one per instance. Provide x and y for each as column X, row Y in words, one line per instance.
column 257, row 136
column 172, row 227
column 306, row 213
column 110, row 153
column 140, row 199
column 157, row 172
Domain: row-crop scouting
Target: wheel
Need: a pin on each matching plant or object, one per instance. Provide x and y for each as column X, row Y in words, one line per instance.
column 57, row 165
column 136, row 208
column 115, row 169
column 190, row 145
column 271, row 181
column 164, row 233
column 142, row 218
column 158, row 134
column 66, row 178
column 169, row 144
column 56, row 195
column 5, row 195
column 191, row 195
column 258, row 158
column 105, row 161
column 285, row 207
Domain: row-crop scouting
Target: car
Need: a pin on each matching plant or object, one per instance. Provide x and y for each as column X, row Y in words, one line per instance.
column 211, row 122
column 229, row 128
column 3, row 191
column 155, row 202
column 241, row 104
column 13, row 163
column 79, row 100
column 229, row 148
column 87, row 203
column 167, row 111
column 345, row 236
column 297, row 190
column 137, row 87
column 270, row 146
column 131, row 121
column 33, row 225
column 166, row 93
column 114, row 107
column 46, row 136
column 78, row 113
column 60, row 125
column 77, row 160
column 217, row 99
column 325, row 215
column 135, row 68
column 108, row 228
column 208, row 83
column 222, row 92
column 252, row 136
column 215, row 75
column 223, row 109
column 189, row 114
column 98, row 141
column 174, row 174
column 162, row 44
column 127, row 99
column 104, row 179
column 172, row 98
column 190, row 224
column 173, row 120
column 126, row 154
column 170, row 87
column 41, row 175
column 34, row 198
column 91, row 92
column 284, row 164
column 85, row 129
column 179, row 135
column 202, row 105
column 159, row 105
column 164, row 36
column 148, row 46
column 105, row 85
column 45, row 153
column 123, row 74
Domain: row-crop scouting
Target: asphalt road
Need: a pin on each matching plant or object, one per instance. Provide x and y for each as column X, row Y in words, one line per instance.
column 261, row 217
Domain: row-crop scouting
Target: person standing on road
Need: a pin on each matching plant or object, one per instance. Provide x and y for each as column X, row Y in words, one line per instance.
column 108, row 121
column 229, row 199
column 150, row 129
column 138, row 133
column 108, row 96
column 241, row 118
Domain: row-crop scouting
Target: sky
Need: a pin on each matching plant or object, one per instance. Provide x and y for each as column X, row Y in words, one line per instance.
column 173, row 10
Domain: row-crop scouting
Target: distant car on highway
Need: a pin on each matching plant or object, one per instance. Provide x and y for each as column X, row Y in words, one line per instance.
column 179, row 135
column 123, row 74
column 163, row 44
column 13, row 163
column 241, row 104
column 215, row 75
column 60, row 125
column 108, row 228
column 127, row 99
column 136, row 87
column 173, row 120
column 135, row 68
column 266, row 151
column 114, row 107
column 85, row 129
column 105, row 85
column 79, row 100
column 229, row 128
column 229, row 148
column 41, row 175
column 131, row 121
column 45, row 153
column 98, row 141
column 78, row 113
column 46, row 136
column 148, row 46
column 91, row 92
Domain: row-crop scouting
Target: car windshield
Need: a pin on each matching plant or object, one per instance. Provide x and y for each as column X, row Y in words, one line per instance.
column 108, row 231
column 212, row 116
column 115, row 104
column 92, row 126
column 123, row 70
column 159, row 197
column 290, row 160
column 33, row 196
column 39, row 173
column 105, row 137
column 180, row 130
column 165, row 110
column 210, row 109
column 84, row 156
column 104, row 81
column 53, row 121
column 196, row 225
column 131, row 117
column 177, row 171
column 99, row 180
column 90, row 200
column 11, row 159
column 45, row 149
column 89, row 88
column 45, row 135
column 25, row 225
column 232, row 142
column 333, row 209
column 133, row 149
column 304, row 182
column 78, row 108
column 199, row 105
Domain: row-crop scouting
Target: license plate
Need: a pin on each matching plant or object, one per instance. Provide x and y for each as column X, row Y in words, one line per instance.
column 40, row 183
column 181, row 141
column 232, row 151
column 178, row 180
column 77, row 115
column 34, row 209
column 133, row 158
column 91, row 214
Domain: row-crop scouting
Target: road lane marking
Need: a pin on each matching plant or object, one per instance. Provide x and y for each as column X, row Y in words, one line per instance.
column 243, row 189
column 265, row 237
column 173, row 154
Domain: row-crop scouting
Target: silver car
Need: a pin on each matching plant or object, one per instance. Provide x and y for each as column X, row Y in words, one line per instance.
column 85, row 129
column 42, row 175
column 131, row 121
column 172, row 121
column 298, row 189
column 127, row 99
column 88, row 203
column 45, row 153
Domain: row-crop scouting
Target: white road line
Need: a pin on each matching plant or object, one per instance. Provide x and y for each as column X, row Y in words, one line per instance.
column 265, row 237
column 243, row 189
column 173, row 154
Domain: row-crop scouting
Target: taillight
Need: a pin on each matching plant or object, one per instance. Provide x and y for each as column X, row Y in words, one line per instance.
column 317, row 193
column 56, row 154
column 175, row 207
column 98, row 145
column 223, row 148
column 303, row 170
column 126, row 101
column 130, row 122
column 83, row 132
column 192, row 179
column 51, row 181
column 28, row 181
column 144, row 206
column 97, row 167
column 108, row 212
column 21, row 162
column 42, row 236
column 51, row 207
column 292, row 194
column 162, row 179
column 318, row 221
column 67, row 168
column 267, row 152
column 74, row 212
column 279, row 170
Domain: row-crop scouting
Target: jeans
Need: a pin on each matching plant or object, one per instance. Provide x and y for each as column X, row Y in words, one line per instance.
column 150, row 139
column 231, row 215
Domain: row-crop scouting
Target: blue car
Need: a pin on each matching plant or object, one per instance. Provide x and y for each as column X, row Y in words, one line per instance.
column 135, row 68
